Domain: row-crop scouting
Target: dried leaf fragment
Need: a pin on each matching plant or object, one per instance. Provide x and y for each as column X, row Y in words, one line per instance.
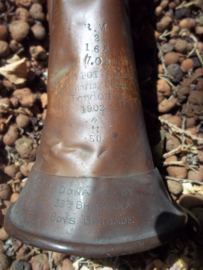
column 13, row 59
column 15, row 72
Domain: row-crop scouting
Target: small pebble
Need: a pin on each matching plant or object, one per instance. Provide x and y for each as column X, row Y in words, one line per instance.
column 187, row 65
column 191, row 201
column 174, row 187
column 175, row 71
column 167, row 47
column 21, row 265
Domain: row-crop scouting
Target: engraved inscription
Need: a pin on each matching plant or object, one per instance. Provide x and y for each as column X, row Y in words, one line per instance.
column 87, row 61
column 87, row 46
column 58, row 219
column 90, row 60
column 93, row 138
column 113, row 206
column 97, row 207
column 97, row 48
column 93, row 206
column 90, row 92
column 97, row 37
column 104, row 74
column 89, row 27
column 94, row 108
column 103, row 27
column 90, row 75
column 94, row 120
column 91, row 97
column 62, row 203
column 86, row 191
column 72, row 199
column 92, row 86
column 88, row 220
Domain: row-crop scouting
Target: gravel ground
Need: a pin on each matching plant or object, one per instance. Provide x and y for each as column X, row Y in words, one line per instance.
column 168, row 45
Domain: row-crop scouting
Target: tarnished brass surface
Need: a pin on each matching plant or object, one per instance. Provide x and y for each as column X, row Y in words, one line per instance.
column 93, row 190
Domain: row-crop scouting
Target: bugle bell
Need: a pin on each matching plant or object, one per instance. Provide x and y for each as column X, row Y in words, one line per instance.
column 93, row 190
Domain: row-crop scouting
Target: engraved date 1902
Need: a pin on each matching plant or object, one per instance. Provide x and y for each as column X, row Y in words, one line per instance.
column 94, row 108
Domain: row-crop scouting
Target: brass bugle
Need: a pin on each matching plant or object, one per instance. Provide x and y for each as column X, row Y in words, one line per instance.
column 93, row 190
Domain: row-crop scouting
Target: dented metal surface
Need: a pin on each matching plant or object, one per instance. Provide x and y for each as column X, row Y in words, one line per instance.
column 95, row 191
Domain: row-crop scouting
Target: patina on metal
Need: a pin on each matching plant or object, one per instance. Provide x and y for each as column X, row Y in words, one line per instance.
column 93, row 190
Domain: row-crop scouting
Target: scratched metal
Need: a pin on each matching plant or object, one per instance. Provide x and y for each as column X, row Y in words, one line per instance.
column 93, row 190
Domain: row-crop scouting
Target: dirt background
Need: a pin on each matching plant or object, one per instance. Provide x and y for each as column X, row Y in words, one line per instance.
column 168, row 46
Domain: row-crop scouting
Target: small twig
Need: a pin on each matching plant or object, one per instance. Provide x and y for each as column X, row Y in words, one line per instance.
column 21, row 130
column 50, row 260
column 31, row 253
column 172, row 163
column 20, row 50
column 193, row 168
column 13, row 158
column 182, row 164
column 9, row 10
column 192, row 51
column 199, row 56
column 162, row 59
column 35, row 135
column 11, row 183
column 195, row 49
column 199, row 126
column 180, row 131
column 8, row 149
column 183, row 127
column 184, row 180
column 4, row 110
column 130, row 266
column 181, row 5
column 184, row 33
column 172, row 152
column 185, row 5
column 164, row 77
column 8, row 119
column 164, row 34
column 167, row 33
column 193, row 78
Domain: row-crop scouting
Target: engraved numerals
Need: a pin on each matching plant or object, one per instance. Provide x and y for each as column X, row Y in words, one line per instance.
column 106, row 49
column 89, row 27
column 94, row 108
column 62, row 203
column 90, row 60
column 96, row 53
column 97, row 61
column 97, row 37
column 107, row 62
column 94, row 138
column 97, row 48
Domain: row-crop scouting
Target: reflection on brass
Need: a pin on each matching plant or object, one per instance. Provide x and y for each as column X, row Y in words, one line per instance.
column 93, row 190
